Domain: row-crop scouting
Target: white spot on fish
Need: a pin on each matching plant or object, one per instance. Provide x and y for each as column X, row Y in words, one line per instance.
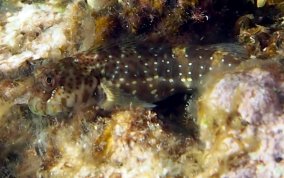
column 154, row 92
column 96, row 56
column 149, row 79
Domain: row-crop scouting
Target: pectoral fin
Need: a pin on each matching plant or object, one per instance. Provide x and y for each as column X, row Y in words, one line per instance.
column 117, row 97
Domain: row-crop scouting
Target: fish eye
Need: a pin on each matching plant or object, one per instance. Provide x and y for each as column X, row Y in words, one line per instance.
column 48, row 82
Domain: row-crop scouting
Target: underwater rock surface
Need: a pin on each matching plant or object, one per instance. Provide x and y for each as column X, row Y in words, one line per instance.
column 130, row 144
column 245, row 121
column 236, row 113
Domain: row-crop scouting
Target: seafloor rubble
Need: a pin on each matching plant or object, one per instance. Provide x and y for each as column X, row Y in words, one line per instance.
column 231, row 127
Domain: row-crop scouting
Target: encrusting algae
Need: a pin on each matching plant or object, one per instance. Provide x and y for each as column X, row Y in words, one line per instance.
column 89, row 91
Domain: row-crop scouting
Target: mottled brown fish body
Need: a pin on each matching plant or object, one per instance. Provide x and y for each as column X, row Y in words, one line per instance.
column 61, row 87
column 122, row 76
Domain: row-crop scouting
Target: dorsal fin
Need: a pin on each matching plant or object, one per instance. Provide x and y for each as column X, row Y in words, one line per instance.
column 123, row 42
column 234, row 49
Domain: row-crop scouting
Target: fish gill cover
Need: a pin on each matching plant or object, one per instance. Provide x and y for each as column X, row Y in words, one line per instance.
column 141, row 88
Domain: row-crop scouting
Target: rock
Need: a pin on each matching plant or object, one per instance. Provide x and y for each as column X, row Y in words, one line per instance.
column 243, row 124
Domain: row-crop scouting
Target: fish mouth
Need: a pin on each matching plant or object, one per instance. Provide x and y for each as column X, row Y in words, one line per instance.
column 36, row 107
column 42, row 108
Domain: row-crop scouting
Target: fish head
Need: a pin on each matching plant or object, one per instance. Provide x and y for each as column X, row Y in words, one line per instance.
column 63, row 86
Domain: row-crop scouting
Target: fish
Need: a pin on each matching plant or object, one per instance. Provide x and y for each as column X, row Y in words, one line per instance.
column 123, row 76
